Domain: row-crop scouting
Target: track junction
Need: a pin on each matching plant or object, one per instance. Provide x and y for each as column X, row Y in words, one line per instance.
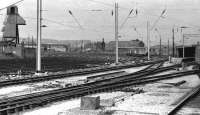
column 147, row 75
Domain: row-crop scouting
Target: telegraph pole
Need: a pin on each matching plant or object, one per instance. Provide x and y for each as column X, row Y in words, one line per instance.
column 32, row 42
column 168, row 47
column 182, row 35
column 173, row 42
column 148, row 40
column 116, row 32
column 183, row 47
column 160, row 50
column 160, row 46
column 38, row 58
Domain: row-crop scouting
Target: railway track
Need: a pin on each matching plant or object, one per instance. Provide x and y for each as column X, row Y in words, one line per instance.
column 185, row 100
column 64, row 75
column 20, row 103
column 51, row 64
column 121, row 73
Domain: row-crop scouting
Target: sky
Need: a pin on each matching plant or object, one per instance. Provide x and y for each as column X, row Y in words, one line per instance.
column 97, row 21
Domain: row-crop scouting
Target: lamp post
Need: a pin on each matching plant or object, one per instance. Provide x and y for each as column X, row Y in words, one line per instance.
column 149, row 29
column 148, row 41
column 183, row 27
column 116, row 33
column 160, row 40
column 39, row 35
column 173, row 52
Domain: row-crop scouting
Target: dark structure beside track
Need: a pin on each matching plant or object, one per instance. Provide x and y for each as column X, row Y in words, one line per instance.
column 90, row 103
column 192, row 53
column 197, row 54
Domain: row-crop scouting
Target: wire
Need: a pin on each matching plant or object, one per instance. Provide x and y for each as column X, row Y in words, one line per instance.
column 161, row 16
column 124, row 8
column 52, row 21
column 107, row 4
column 59, row 23
column 76, row 20
column 178, row 20
column 62, row 24
column 156, row 29
column 102, row 3
column 137, row 31
column 126, row 19
column 11, row 4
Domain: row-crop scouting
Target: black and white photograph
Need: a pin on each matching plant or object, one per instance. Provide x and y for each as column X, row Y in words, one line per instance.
column 100, row 57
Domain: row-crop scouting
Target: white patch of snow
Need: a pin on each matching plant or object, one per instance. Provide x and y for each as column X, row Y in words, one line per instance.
column 157, row 99
column 135, row 69
column 158, row 96
column 10, row 89
column 166, row 72
column 108, row 95
column 167, row 64
column 55, row 108
column 191, row 81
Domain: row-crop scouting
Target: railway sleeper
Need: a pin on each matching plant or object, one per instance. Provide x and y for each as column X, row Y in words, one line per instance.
column 2, row 107
column 4, row 112
column 102, row 90
column 19, row 109
column 91, row 91
column 26, row 107
column 11, row 111
column 43, row 103
column 110, row 89
column 35, row 105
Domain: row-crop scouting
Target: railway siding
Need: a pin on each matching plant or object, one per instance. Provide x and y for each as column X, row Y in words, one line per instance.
column 91, row 88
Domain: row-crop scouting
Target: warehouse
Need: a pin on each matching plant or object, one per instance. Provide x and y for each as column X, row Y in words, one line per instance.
column 191, row 53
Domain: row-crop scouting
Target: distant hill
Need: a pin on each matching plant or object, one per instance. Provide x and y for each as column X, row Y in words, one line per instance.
column 72, row 43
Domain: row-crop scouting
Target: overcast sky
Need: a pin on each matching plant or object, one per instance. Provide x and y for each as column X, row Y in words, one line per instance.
column 99, row 24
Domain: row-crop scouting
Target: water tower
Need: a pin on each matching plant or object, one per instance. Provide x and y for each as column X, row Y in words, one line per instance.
column 11, row 23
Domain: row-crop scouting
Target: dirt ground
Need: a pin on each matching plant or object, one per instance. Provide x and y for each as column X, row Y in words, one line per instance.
column 58, row 61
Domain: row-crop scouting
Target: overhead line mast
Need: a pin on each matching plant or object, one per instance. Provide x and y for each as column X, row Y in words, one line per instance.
column 39, row 35
column 148, row 40
column 116, row 33
column 173, row 45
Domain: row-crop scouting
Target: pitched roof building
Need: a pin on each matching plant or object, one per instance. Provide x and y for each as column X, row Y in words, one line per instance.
column 125, row 44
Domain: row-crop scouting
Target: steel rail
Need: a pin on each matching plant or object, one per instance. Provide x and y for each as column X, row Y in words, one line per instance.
column 17, row 97
column 84, row 85
column 106, row 74
column 185, row 99
column 142, row 73
column 57, row 76
column 81, row 92
column 150, row 67
column 119, row 78
column 85, row 90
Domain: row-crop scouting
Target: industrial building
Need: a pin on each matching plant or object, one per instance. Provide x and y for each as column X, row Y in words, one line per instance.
column 128, row 47
column 191, row 52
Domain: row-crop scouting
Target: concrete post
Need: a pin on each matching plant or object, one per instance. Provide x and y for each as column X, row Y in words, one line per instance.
column 38, row 58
